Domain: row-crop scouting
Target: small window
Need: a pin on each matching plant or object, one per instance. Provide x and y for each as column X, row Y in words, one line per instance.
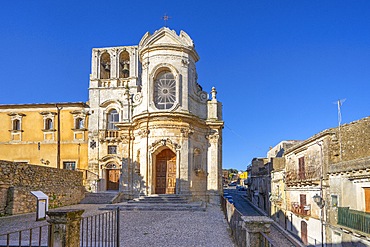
column 334, row 201
column 80, row 123
column 112, row 149
column 111, row 166
column 69, row 165
column 48, row 124
column 16, row 124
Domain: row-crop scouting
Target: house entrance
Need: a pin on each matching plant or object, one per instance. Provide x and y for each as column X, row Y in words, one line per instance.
column 112, row 179
column 165, row 172
column 367, row 200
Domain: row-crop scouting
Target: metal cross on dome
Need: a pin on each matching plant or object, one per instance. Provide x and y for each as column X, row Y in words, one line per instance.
column 166, row 18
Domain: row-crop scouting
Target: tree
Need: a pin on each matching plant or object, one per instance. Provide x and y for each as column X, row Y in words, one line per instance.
column 231, row 170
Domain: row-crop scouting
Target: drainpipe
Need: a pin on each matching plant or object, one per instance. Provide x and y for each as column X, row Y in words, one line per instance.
column 58, row 135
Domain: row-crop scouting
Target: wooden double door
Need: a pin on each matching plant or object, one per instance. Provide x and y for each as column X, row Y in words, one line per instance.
column 165, row 168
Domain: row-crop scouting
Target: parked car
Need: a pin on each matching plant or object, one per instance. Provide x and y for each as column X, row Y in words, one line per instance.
column 232, row 184
column 242, row 188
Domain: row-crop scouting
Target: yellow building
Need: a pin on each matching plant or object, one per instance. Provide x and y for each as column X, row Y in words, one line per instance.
column 53, row 135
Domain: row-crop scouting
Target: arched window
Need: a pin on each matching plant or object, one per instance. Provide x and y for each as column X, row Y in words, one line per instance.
column 164, row 90
column 113, row 117
column 111, row 166
column 105, row 66
column 16, row 124
column 48, row 124
column 79, row 123
column 124, row 65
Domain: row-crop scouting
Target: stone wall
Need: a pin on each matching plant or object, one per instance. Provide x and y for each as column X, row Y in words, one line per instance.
column 354, row 141
column 17, row 180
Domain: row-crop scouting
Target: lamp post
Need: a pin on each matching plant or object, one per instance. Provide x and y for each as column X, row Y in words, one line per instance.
column 318, row 199
column 321, row 203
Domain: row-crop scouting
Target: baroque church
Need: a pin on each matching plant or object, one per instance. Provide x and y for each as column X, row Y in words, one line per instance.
column 148, row 127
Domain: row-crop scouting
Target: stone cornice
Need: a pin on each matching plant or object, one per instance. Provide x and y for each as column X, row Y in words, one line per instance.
column 302, row 145
column 49, row 105
column 169, row 116
column 181, row 42
column 350, row 166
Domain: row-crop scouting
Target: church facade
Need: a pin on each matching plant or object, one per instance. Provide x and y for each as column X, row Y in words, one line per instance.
column 152, row 129
column 148, row 127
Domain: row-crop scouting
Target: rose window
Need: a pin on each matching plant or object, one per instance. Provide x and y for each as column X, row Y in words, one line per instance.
column 165, row 90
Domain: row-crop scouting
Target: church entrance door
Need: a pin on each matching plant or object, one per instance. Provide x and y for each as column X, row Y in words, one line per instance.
column 112, row 179
column 165, row 172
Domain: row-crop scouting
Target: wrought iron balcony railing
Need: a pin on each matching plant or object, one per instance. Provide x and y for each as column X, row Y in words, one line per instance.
column 309, row 174
column 299, row 209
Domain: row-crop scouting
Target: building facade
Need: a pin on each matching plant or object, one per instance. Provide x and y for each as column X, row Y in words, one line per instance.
column 151, row 119
column 53, row 135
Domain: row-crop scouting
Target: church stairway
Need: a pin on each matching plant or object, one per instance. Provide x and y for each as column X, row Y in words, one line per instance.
column 159, row 203
column 99, row 197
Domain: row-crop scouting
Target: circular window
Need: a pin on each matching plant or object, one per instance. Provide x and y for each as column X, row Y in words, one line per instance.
column 164, row 90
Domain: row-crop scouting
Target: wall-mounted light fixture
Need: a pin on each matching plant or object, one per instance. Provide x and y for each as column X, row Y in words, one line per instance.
column 319, row 201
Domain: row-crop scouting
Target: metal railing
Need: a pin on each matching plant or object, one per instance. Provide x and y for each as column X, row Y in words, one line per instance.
column 96, row 230
column 266, row 241
column 354, row 219
column 36, row 236
column 101, row 229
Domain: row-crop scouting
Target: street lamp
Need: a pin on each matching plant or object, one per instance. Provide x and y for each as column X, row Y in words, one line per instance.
column 319, row 201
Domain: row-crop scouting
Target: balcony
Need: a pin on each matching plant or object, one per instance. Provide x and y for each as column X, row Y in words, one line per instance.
column 299, row 209
column 309, row 176
column 354, row 219
column 109, row 135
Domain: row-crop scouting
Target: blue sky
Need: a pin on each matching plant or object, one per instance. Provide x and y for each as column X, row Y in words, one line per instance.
column 278, row 66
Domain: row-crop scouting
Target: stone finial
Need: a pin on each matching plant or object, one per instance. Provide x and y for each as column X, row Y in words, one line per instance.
column 213, row 93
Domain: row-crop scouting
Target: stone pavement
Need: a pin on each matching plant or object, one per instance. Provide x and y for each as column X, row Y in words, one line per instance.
column 151, row 228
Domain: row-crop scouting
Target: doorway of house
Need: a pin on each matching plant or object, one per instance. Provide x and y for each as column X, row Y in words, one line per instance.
column 165, row 172
column 112, row 178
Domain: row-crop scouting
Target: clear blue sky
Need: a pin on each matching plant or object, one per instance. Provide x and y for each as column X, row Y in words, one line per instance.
column 278, row 66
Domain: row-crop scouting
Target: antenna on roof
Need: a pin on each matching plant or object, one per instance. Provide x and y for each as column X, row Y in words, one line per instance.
column 339, row 103
column 166, row 18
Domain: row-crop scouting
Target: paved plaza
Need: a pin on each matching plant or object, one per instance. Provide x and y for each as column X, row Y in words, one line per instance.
column 150, row 228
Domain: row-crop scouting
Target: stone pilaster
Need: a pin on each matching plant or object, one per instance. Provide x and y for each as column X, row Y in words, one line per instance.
column 65, row 228
column 254, row 225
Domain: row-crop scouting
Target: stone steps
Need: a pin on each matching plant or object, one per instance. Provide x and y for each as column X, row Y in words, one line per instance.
column 158, row 203
column 99, row 198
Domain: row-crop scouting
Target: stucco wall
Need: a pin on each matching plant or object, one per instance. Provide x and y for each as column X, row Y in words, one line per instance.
column 17, row 180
